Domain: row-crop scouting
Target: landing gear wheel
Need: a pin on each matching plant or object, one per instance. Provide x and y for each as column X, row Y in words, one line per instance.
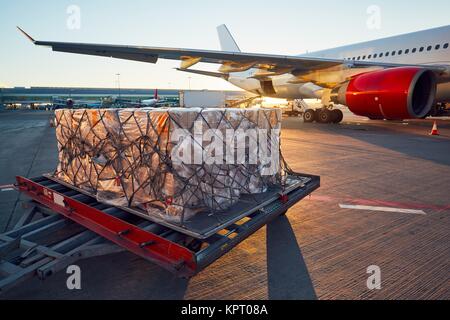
column 338, row 116
column 309, row 116
column 325, row 116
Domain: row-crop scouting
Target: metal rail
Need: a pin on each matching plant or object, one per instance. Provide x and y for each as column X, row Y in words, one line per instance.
column 32, row 249
column 111, row 223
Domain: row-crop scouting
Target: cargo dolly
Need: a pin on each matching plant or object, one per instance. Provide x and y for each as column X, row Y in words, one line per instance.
column 64, row 225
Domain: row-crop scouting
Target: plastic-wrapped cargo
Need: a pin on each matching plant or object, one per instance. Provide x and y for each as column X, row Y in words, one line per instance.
column 171, row 163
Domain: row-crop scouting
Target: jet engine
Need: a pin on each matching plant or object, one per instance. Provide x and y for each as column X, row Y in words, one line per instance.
column 392, row 94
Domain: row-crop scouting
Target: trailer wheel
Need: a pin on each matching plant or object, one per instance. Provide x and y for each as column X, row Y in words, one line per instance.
column 309, row 116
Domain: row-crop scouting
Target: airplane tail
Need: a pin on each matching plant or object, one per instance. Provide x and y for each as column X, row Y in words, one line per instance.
column 227, row 42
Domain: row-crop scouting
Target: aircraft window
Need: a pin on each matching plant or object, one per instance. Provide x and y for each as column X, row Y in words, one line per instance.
column 438, row 47
column 400, row 52
column 370, row 56
column 375, row 56
column 353, row 58
column 364, row 58
column 446, row 46
column 406, row 51
column 421, row 49
column 359, row 58
column 429, row 48
column 414, row 50
column 387, row 54
column 381, row 55
column 393, row 53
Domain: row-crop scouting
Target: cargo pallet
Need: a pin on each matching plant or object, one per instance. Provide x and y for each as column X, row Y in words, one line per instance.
column 74, row 226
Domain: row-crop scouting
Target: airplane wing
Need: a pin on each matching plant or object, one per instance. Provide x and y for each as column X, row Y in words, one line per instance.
column 231, row 61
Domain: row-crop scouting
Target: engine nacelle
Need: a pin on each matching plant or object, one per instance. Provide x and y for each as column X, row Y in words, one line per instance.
column 392, row 94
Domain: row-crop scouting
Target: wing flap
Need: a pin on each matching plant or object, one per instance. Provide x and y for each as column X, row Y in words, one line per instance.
column 206, row 73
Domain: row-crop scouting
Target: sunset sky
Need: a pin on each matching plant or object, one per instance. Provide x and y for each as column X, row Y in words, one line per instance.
column 283, row 26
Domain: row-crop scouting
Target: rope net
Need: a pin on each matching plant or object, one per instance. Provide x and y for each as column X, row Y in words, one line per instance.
column 131, row 157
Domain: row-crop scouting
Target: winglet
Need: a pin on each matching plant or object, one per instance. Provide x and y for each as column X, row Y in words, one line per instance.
column 27, row 35
column 227, row 41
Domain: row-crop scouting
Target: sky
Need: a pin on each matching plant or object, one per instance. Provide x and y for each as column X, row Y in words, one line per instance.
column 279, row 27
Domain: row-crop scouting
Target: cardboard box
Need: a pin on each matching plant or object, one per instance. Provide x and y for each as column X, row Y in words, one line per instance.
column 137, row 157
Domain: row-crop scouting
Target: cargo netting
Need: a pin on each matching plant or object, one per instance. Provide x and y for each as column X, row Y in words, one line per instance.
column 137, row 157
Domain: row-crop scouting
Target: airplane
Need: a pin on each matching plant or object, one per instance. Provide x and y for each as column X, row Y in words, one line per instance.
column 59, row 103
column 156, row 101
column 396, row 78
column 153, row 102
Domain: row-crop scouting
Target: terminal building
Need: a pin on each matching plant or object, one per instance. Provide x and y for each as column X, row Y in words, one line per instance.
column 26, row 97
column 47, row 94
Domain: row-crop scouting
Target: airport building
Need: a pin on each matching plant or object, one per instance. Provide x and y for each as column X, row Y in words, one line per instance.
column 33, row 96
column 46, row 94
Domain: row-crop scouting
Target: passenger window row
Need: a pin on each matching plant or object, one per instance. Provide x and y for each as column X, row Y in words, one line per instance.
column 399, row 52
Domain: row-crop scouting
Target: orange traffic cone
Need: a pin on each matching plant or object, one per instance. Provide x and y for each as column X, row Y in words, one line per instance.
column 434, row 131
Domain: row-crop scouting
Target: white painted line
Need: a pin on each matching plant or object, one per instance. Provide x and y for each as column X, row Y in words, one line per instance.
column 7, row 189
column 382, row 209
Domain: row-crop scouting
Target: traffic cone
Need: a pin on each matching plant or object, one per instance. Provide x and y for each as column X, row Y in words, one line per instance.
column 434, row 131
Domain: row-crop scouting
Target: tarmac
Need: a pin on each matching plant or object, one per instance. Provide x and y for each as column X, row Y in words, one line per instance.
column 384, row 201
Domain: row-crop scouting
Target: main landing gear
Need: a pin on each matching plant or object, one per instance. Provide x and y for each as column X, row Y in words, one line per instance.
column 323, row 115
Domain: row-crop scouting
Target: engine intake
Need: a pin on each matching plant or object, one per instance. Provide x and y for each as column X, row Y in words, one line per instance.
column 392, row 94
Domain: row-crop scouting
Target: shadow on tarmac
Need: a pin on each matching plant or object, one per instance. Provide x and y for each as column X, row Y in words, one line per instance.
column 411, row 139
column 288, row 276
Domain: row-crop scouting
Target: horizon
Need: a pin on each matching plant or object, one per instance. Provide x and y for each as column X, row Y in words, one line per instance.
column 116, row 88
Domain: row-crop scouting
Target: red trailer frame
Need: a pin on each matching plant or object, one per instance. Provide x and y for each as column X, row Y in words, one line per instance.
column 177, row 252
column 145, row 244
